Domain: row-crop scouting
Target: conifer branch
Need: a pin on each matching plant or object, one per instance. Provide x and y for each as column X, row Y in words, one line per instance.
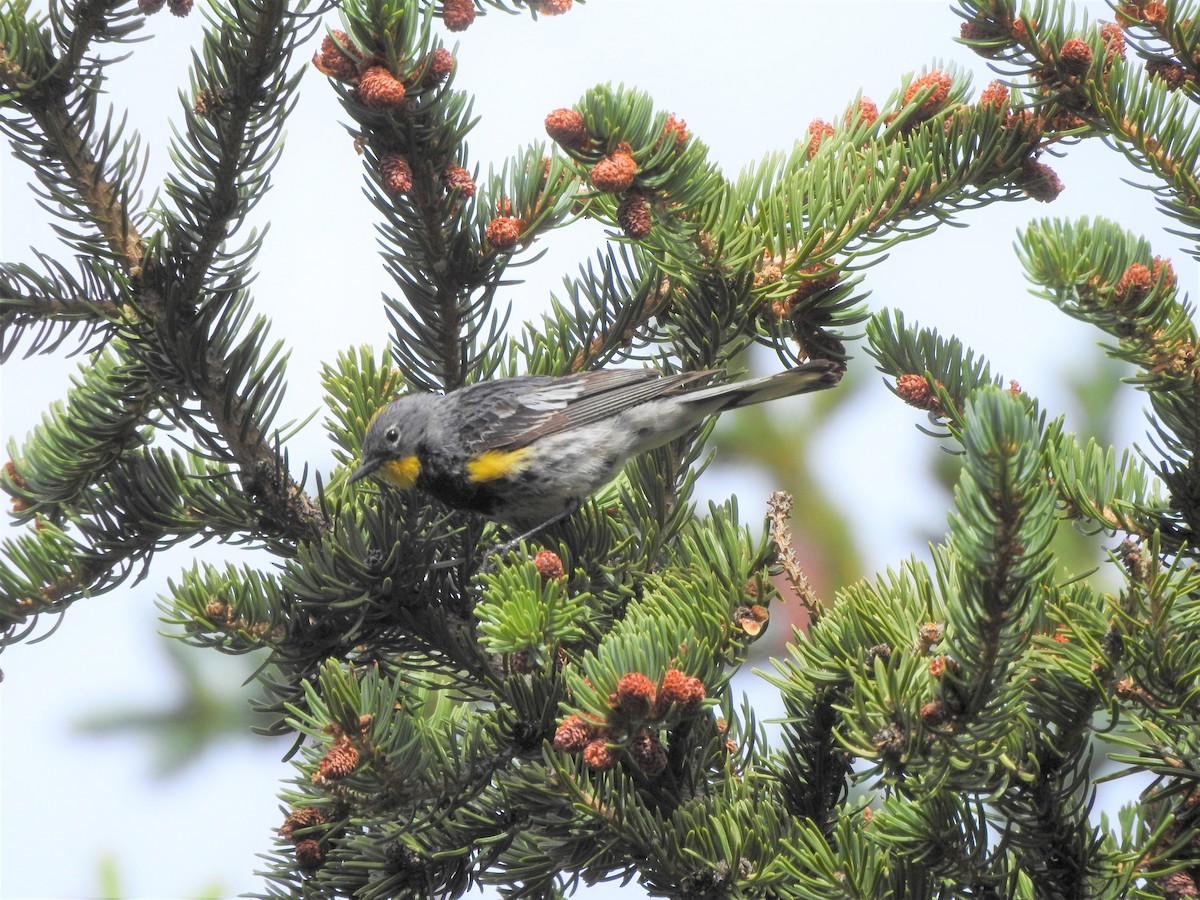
column 44, row 96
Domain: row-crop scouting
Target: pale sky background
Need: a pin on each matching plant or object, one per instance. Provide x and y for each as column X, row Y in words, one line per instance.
column 748, row 78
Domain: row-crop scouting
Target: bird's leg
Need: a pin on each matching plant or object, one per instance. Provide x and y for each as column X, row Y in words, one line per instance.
column 536, row 529
column 511, row 544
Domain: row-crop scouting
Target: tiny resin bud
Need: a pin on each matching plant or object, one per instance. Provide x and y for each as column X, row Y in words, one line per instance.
column 928, row 635
column 614, row 173
column 933, row 713
column 751, row 619
column 179, row 7
column 553, row 7
column 150, row 7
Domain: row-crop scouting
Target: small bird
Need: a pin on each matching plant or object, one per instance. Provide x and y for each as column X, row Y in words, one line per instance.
column 529, row 450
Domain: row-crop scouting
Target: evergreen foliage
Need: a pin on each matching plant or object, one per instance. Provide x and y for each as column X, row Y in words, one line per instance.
column 562, row 712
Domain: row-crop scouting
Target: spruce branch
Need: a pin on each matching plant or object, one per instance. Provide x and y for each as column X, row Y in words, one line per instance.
column 56, row 140
column 52, row 305
column 566, row 716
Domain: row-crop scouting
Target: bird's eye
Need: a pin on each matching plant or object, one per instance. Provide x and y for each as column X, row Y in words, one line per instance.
column 392, row 435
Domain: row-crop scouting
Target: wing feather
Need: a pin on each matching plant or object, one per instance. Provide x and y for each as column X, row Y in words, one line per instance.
column 513, row 412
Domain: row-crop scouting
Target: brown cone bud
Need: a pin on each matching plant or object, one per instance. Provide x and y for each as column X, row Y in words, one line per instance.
column 1039, row 181
column 684, row 691
column 573, row 735
column 614, row 173
column 818, row 130
column 1114, row 40
column 438, row 68
column 941, row 83
column 303, row 817
column 456, row 178
column 997, row 95
column 1179, row 886
column 566, row 128
column 648, row 753
column 866, row 112
column 1075, row 57
column 1163, row 270
column 598, row 756
column 340, row 760
column 503, row 232
column 458, row 14
column 338, row 57
column 676, row 128
column 1168, row 72
column 1135, row 283
column 916, row 391
column 309, row 854
column 549, row 565
column 635, row 694
column 395, row 173
column 379, row 89
column 633, row 215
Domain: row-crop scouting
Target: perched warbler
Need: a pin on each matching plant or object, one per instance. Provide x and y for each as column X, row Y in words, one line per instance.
column 528, row 450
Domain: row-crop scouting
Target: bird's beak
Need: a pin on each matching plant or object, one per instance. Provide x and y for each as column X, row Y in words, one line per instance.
column 363, row 471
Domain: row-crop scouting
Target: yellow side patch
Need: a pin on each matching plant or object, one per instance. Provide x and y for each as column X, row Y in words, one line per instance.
column 493, row 464
column 401, row 473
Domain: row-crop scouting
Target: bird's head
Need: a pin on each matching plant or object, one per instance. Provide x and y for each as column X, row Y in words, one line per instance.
column 389, row 448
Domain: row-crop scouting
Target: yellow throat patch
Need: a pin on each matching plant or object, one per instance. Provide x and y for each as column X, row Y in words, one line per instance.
column 401, row 473
column 493, row 464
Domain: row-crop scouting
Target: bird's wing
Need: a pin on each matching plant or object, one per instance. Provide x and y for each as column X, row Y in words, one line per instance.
column 514, row 412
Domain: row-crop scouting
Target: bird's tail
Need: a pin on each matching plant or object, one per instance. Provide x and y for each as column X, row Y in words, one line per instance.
column 814, row 375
